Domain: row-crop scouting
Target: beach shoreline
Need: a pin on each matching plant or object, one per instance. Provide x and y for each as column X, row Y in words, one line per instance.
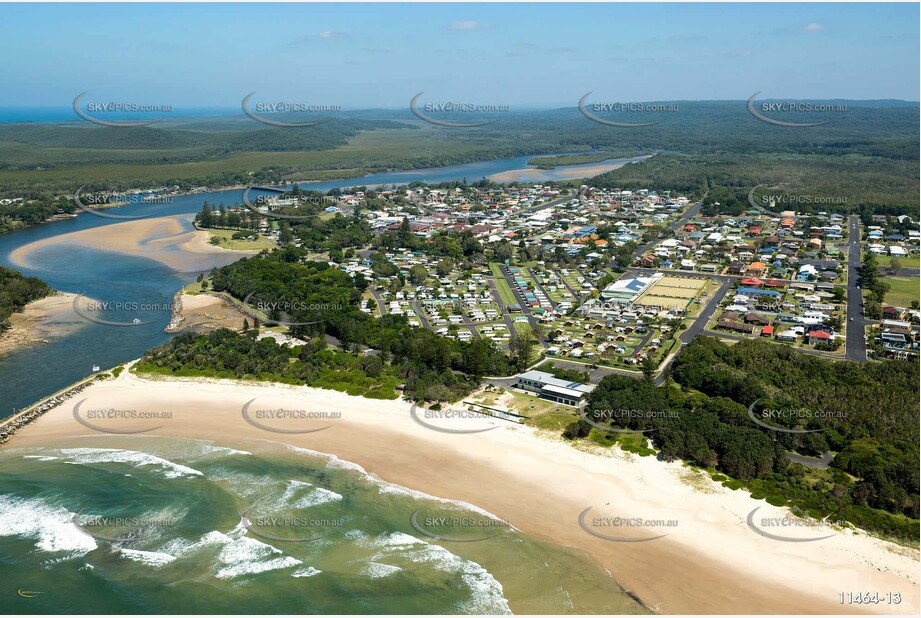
column 164, row 239
column 41, row 321
column 566, row 172
column 711, row 562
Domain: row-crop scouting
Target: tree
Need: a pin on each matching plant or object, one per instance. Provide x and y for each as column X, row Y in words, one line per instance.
column 521, row 348
column 285, row 235
column 418, row 274
column 444, row 267
column 649, row 367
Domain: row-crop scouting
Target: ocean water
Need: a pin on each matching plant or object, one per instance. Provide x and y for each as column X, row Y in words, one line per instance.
column 155, row 525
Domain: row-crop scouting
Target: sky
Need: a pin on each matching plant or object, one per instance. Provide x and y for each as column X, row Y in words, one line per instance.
column 521, row 55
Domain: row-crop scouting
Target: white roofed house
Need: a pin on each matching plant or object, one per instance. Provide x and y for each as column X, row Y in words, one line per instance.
column 553, row 389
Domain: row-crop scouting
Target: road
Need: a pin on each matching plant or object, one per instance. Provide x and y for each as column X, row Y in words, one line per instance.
column 503, row 310
column 696, row 327
column 679, row 223
column 855, row 331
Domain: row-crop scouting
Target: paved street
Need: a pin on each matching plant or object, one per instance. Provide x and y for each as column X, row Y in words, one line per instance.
column 855, row 333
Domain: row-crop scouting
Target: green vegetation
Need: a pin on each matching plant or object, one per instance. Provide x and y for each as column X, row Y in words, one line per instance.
column 902, row 291
column 866, row 413
column 227, row 354
column 889, row 185
column 17, row 291
column 901, row 262
column 230, row 239
column 875, row 286
column 868, row 156
column 573, row 375
column 548, row 163
column 316, row 300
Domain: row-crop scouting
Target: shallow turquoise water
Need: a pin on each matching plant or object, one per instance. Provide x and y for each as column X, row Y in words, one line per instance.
column 150, row 525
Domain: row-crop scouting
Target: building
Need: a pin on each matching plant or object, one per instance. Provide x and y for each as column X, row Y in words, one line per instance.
column 629, row 289
column 553, row 389
column 818, row 336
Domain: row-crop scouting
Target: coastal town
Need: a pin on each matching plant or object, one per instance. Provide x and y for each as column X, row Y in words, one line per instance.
column 612, row 280
column 460, row 309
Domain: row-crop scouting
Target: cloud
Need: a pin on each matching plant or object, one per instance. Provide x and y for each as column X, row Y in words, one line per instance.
column 813, row 27
column 329, row 35
column 466, row 25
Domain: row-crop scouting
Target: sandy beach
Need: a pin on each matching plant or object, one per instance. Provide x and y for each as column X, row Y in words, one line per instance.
column 165, row 239
column 710, row 562
column 206, row 311
column 567, row 172
column 41, row 321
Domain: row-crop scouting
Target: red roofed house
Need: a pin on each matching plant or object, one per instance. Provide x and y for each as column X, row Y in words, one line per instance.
column 818, row 336
column 768, row 331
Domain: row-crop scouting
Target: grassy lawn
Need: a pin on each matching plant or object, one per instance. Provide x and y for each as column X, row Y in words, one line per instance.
column 902, row 290
column 906, row 262
column 226, row 242
column 505, row 292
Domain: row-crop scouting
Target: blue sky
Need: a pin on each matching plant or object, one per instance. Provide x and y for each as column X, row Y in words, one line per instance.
column 380, row 55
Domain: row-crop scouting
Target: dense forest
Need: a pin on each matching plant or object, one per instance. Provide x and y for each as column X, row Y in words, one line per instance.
column 240, row 355
column 17, row 291
column 866, row 414
column 317, row 300
column 843, row 184
column 868, row 154
column 178, row 143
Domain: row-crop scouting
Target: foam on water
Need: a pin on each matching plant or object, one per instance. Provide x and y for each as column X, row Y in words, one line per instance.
column 51, row 526
column 385, row 487
column 314, row 496
column 487, row 594
column 377, row 569
column 237, row 554
column 84, row 456
column 150, row 558
column 306, row 572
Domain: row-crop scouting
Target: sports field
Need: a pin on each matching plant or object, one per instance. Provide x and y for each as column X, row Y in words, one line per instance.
column 672, row 292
